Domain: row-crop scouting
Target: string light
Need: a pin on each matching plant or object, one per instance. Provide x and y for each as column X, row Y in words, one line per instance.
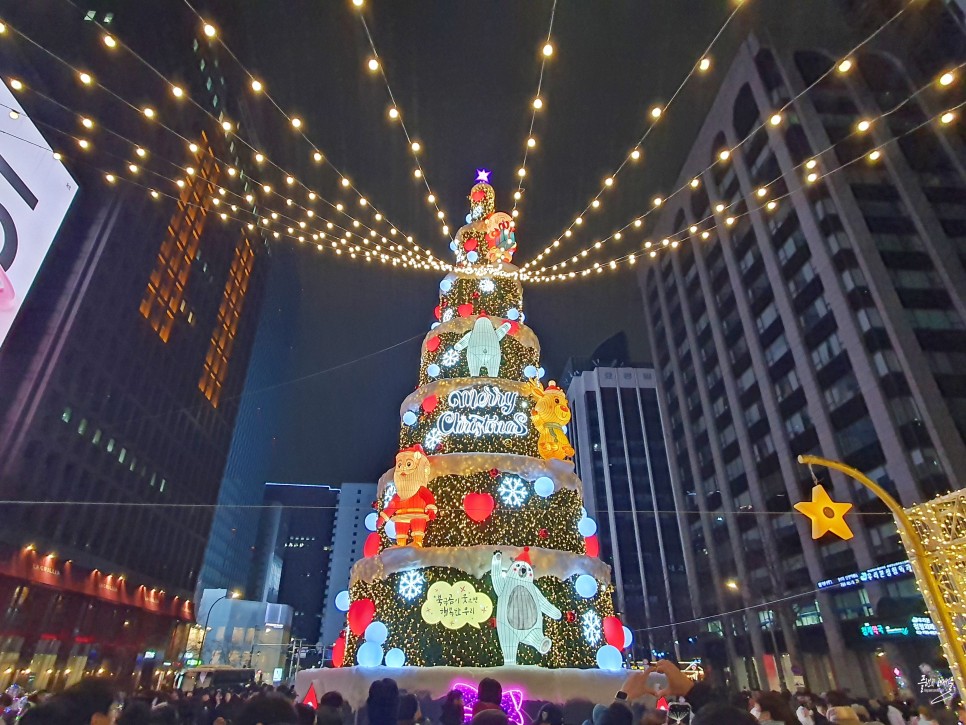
column 85, row 78
column 704, row 64
column 16, row 84
column 177, row 91
column 947, row 78
column 296, row 122
column 209, row 30
column 148, row 111
column 845, row 66
column 656, row 112
column 776, row 119
column 109, row 41
column 257, row 85
column 863, row 125
column 538, row 103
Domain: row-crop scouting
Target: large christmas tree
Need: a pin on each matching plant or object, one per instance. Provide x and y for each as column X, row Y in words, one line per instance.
column 481, row 552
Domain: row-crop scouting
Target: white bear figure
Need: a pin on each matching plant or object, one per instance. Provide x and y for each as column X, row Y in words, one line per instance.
column 482, row 345
column 520, row 607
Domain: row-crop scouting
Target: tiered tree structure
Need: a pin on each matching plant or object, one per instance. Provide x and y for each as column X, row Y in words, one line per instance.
column 481, row 552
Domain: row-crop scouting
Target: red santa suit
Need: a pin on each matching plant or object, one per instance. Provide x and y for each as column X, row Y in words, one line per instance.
column 411, row 514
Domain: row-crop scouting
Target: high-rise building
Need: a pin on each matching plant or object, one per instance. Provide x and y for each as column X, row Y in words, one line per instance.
column 830, row 322
column 123, row 366
column 623, row 465
column 348, row 539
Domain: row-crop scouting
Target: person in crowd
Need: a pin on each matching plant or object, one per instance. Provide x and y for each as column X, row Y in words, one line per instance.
column 89, row 702
column 382, row 705
column 775, row 710
column 331, row 709
column 166, row 713
column 549, row 713
column 409, row 713
column 453, row 709
column 306, row 713
column 268, row 709
column 490, row 695
column 228, row 707
column 490, row 717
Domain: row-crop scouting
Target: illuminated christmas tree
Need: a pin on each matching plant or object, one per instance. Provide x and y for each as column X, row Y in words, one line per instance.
column 481, row 553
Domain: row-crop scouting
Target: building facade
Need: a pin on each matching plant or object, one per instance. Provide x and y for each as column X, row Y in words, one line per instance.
column 121, row 371
column 831, row 323
column 622, row 462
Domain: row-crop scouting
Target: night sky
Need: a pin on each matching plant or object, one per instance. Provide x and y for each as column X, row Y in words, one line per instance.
column 464, row 74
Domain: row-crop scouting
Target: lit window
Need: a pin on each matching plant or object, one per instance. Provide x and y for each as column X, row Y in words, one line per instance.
column 90, row 15
column 122, row 455
column 110, row 446
column 108, row 18
column 163, row 482
column 65, row 416
column 97, row 437
column 82, row 428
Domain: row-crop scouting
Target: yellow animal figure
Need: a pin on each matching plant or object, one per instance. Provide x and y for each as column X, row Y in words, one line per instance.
column 550, row 414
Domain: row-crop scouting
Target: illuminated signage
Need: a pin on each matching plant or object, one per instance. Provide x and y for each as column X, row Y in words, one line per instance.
column 35, row 193
column 457, row 421
column 917, row 627
column 887, row 571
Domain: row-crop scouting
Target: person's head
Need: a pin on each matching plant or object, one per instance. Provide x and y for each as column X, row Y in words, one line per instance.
column 714, row 714
column 383, row 701
column 48, row 714
column 135, row 712
column 5, row 700
column 453, row 707
column 306, row 714
column 774, row 706
column 164, row 714
column 490, row 691
column 408, row 707
column 331, row 699
column 268, row 709
column 89, row 702
column 550, row 714
column 617, row 714
column 837, row 698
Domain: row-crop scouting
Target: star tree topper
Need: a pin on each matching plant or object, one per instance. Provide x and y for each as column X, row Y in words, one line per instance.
column 826, row 514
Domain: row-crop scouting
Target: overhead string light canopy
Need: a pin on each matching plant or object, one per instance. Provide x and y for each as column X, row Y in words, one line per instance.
column 774, row 118
column 530, row 143
column 811, row 171
column 258, row 87
column 654, row 114
column 376, row 65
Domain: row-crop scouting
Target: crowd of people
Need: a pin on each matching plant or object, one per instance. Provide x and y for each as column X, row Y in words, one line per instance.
column 95, row 701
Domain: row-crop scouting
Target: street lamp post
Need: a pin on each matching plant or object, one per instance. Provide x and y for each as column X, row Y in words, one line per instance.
column 948, row 635
column 204, row 634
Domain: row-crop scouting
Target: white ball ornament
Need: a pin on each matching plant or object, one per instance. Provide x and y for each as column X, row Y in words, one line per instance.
column 410, row 418
column 513, row 314
column 609, row 658
column 472, row 256
column 434, row 325
column 395, row 657
column 543, row 486
column 628, row 638
column 433, row 370
column 586, row 586
column 541, row 372
column 342, row 601
column 453, row 245
column 530, row 371
column 377, row 632
column 369, row 654
column 391, row 530
column 372, row 520
column 583, row 512
column 446, row 285
column 587, row 526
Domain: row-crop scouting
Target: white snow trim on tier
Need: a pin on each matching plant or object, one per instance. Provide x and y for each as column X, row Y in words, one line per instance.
column 537, row 683
column 526, row 467
column 442, row 388
column 461, row 325
column 476, row 561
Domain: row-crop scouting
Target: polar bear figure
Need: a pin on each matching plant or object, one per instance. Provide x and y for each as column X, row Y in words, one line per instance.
column 482, row 345
column 520, row 607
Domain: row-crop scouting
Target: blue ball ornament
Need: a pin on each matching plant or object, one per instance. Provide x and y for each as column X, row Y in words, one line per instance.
column 628, row 637
column 472, row 256
column 453, row 245
column 395, row 657
column 587, row 526
column 530, row 371
column 409, row 417
column 513, row 314
column 609, row 658
column 377, row 632
column 342, row 601
column 372, row 520
column 586, row 586
column 541, row 372
column 391, row 530
column 469, row 218
column 543, row 486
column 369, row 654
column 445, row 285
column 433, row 370
column 434, row 325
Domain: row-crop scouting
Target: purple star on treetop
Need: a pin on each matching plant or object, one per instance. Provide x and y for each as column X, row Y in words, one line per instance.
column 483, row 175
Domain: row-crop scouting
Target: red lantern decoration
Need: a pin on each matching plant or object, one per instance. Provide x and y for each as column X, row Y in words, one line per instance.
column 338, row 650
column 429, row 403
column 470, row 244
column 492, row 622
column 478, row 506
column 432, row 344
column 438, row 312
column 543, row 533
column 371, row 547
column 592, row 545
column 494, row 473
column 571, row 616
column 614, row 632
column 361, row 612
column 465, row 310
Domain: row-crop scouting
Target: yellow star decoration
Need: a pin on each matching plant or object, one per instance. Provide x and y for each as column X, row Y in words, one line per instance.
column 826, row 514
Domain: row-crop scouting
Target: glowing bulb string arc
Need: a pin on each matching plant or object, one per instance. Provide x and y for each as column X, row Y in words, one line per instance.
column 257, row 219
column 636, row 147
column 401, row 120
column 234, row 130
column 870, row 122
column 533, row 112
column 832, row 69
column 819, row 177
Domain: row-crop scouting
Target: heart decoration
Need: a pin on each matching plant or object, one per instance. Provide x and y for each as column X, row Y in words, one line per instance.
column 478, row 506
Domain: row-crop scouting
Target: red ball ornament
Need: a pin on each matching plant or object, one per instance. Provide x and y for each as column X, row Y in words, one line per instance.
column 494, row 473
column 432, row 344
column 614, row 632
column 465, row 310
column 478, row 195
column 361, row 612
column 592, row 545
column 571, row 616
column 476, row 295
column 470, row 244
column 371, row 547
column 478, row 506
column 429, row 403
column 438, row 312
column 543, row 534
column 338, row 650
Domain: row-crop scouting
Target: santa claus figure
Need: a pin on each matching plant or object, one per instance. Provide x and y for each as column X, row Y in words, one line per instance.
column 413, row 505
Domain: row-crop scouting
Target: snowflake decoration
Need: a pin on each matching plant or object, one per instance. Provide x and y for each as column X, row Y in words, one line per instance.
column 433, row 439
column 513, row 491
column 487, row 285
column 448, row 314
column 591, row 626
column 411, row 584
column 387, row 493
column 450, row 358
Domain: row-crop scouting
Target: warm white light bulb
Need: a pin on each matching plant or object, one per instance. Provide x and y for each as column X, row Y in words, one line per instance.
column 226, row 125
column 635, row 154
column 415, row 147
column 345, row 182
column 776, row 119
column 947, row 118
column 431, row 199
column 547, row 50
column 140, row 152
column 109, row 41
column 85, row 78
column 418, row 173
column 393, row 113
column 724, row 154
column 16, row 84
column 296, row 122
column 531, row 142
column 210, row 30
column 704, row 64
column 947, row 78
column 538, row 103
column 87, row 123
column 863, row 125
column 657, row 201
column 373, row 65
column 257, row 85
column 609, row 181
column 148, row 111
column 695, row 183
column 521, row 172
column 845, row 66
column 656, row 112
column 875, row 155
column 317, row 156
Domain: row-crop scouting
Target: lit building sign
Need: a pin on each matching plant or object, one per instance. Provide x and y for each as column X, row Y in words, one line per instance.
column 917, row 627
column 887, row 571
column 35, row 193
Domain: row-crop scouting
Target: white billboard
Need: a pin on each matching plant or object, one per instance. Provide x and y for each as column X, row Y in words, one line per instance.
column 35, row 193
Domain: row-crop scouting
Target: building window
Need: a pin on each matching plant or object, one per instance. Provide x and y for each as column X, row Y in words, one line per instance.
column 65, row 416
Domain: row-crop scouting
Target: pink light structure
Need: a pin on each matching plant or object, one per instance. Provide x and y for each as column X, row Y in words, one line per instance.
column 511, row 703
